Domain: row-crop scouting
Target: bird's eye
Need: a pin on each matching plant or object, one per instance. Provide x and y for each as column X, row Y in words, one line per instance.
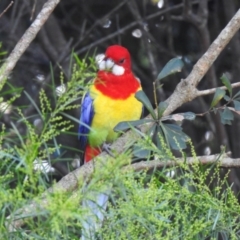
column 121, row 61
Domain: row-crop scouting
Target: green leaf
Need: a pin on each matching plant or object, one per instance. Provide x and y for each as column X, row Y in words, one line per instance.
column 227, row 84
column 226, row 116
column 3, row 53
column 33, row 103
column 125, row 125
column 175, row 136
column 156, row 136
column 227, row 98
column 140, row 152
column 77, row 59
column 142, row 97
column 236, row 96
column 152, row 130
column 225, row 121
column 173, row 66
column 161, row 108
column 219, row 94
column 236, row 105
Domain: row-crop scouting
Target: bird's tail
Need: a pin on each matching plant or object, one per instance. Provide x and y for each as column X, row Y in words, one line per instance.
column 95, row 207
column 91, row 152
column 93, row 219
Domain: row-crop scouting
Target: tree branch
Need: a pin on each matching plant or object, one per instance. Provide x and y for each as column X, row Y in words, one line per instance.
column 213, row 90
column 133, row 24
column 186, row 89
column 222, row 161
column 27, row 38
column 5, row 10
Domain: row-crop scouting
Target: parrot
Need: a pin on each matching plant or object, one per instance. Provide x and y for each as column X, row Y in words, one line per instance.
column 109, row 100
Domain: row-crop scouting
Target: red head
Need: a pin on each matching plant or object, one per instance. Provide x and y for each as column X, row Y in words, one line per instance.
column 120, row 56
column 115, row 78
column 116, row 60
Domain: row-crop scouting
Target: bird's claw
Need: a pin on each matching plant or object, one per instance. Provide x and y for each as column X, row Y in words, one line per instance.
column 107, row 148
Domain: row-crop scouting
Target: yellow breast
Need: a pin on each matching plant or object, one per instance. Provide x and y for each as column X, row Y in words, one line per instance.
column 108, row 113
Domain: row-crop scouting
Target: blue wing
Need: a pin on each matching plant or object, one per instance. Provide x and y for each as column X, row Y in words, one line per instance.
column 86, row 117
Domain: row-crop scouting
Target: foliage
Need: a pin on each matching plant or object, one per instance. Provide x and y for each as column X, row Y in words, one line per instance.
column 20, row 181
column 143, row 205
column 185, row 202
column 225, row 111
column 183, row 207
column 172, row 133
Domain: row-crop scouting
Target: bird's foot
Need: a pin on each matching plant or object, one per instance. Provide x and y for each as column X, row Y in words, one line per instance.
column 107, row 148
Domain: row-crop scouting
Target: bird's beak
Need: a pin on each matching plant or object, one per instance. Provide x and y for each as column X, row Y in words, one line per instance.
column 107, row 64
column 103, row 63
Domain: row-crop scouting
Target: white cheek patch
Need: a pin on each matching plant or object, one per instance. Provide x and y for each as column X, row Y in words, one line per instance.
column 109, row 63
column 100, row 62
column 102, row 65
column 118, row 70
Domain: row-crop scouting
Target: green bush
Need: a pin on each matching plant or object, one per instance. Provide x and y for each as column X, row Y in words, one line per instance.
column 190, row 203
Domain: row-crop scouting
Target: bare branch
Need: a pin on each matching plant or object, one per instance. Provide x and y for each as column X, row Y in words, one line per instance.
column 133, row 24
column 27, row 38
column 213, row 90
column 222, row 161
column 33, row 10
column 186, row 89
column 9, row 5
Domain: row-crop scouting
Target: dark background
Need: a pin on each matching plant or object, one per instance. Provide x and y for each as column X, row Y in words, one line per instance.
column 153, row 36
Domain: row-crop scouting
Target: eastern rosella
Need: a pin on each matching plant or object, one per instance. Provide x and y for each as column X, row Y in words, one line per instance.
column 110, row 100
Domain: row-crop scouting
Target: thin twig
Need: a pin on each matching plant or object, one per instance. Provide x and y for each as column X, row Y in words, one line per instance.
column 83, row 36
column 213, row 90
column 186, row 89
column 33, row 10
column 133, row 24
column 5, row 10
column 146, row 36
column 222, row 161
